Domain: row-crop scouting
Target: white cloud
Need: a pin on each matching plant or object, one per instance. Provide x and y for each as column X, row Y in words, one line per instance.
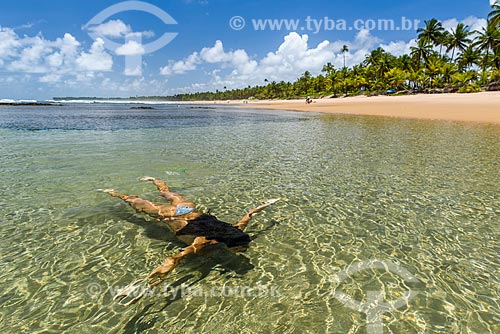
column 55, row 59
column 292, row 58
column 474, row 23
column 215, row 54
column 135, row 71
column 182, row 66
column 117, row 28
column 130, row 48
column 365, row 40
column 9, row 42
column 112, row 28
column 68, row 44
column 50, row 78
column 68, row 49
column 239, row 60
column 97, row 59
column 399, row 48
column 30, row 59
column 50, row 58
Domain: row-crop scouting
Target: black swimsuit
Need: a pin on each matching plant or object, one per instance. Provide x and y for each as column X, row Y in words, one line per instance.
column 211, row 228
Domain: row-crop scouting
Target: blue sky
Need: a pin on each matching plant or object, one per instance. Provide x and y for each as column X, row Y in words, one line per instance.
column 46, row 50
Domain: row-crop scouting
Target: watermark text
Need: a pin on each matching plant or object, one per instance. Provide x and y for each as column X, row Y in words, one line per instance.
column 324, row 24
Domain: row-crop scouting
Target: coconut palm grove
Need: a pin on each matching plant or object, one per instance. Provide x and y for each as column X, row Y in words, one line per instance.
column 460, row 60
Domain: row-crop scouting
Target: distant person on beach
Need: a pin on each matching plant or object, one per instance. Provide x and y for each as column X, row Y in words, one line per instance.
column 194, row 228
column 308, row 100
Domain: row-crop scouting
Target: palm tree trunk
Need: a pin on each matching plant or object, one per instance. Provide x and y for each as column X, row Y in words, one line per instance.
column 486, row 58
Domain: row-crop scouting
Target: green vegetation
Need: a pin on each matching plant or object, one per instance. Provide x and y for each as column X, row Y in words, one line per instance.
column 458, row 61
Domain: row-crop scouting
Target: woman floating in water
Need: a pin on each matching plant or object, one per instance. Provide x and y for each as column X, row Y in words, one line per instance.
column 196, row 229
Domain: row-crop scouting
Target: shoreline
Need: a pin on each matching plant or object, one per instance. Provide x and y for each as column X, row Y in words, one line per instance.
column 481, row 107
column 29, row 104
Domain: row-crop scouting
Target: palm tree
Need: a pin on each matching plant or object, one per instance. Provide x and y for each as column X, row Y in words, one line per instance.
column 468, row 58
column 488, row 39
column 328, row 68
column 344, row 50
column 378, row 62
column 494, row 15
column 495, row 75
column 329, row 71
column 463, row 79
column 360, row 82
column 422, row 79
column 413, row 76
column 373, row 57
column 495, row 61
column 396, row 78
column 445, row 40
column 404, row 63
column 359, row 77
column 421, row 52
column 433, row 66
column 304, row 83
column 384, row 64
column 432, row 33
column 447, row 71
column 459, row 38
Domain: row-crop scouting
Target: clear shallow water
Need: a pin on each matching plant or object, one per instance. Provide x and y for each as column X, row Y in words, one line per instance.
column 422, row 195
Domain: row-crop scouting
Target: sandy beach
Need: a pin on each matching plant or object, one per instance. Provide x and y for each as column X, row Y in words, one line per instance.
column 479, row 107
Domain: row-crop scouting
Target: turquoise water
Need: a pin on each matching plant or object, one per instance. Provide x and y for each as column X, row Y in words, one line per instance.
column 421, row 195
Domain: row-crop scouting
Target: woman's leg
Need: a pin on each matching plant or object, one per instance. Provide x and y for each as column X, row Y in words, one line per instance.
column 137, row 203
column 177, row 199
